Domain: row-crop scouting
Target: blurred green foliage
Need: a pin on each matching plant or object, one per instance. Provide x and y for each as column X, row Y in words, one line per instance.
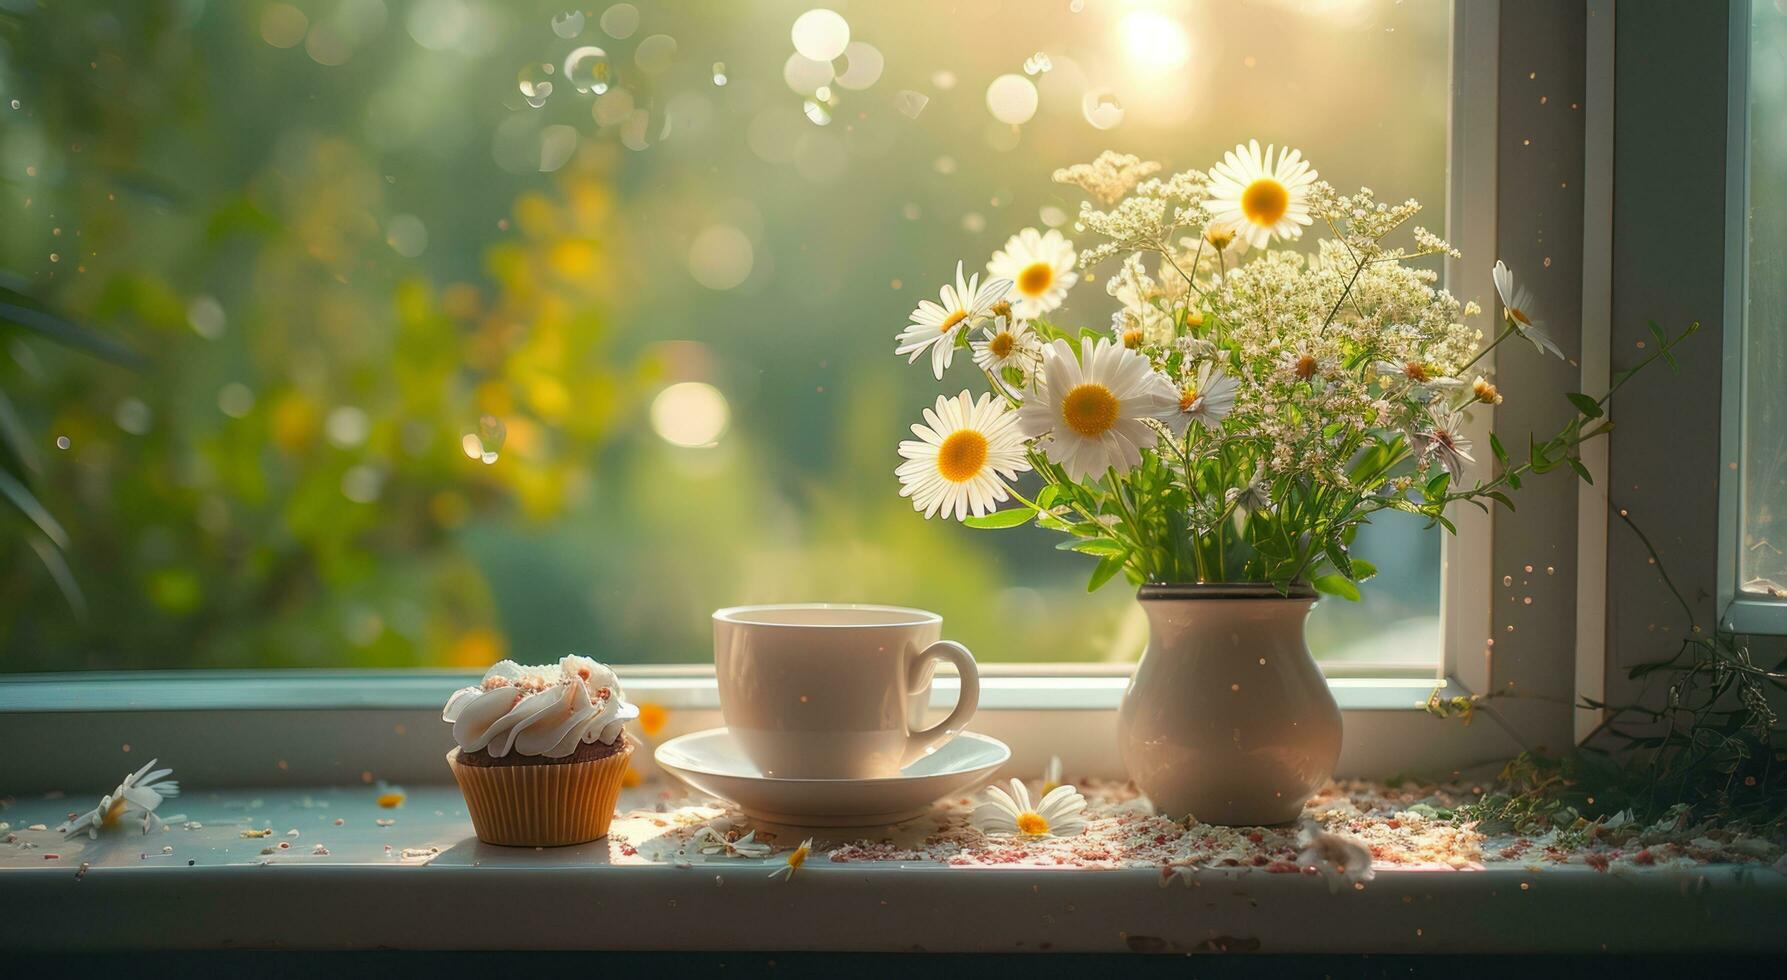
column 333, row 256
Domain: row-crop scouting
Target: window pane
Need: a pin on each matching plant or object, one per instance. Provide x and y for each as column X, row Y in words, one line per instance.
column 431, row 375
column 1762, row 566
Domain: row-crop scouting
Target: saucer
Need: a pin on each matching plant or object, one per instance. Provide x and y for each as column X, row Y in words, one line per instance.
column 713, row 762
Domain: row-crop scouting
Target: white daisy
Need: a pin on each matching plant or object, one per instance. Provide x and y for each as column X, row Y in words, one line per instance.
column 965, row 452
column 936, row 327
column 1208, row 398
column 1260, row 197
column 1051, row 775
column 1060, row 812
column 1303, row 363
column 1517, row 306
column 711, row 841
column 1445, row 441
column 142, row 790
column 1006, row 343
column 1092, row 407
column 795, row 859
column 1039, row 267
column 1417, row 378
column 1255, row 496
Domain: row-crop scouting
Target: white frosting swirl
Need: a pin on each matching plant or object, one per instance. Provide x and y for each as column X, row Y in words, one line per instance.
column 545, row 711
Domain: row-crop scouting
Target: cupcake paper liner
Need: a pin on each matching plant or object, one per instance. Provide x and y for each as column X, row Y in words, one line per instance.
column 546, row 805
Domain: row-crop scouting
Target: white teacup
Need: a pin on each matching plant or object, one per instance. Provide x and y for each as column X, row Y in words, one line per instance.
column 822, row 691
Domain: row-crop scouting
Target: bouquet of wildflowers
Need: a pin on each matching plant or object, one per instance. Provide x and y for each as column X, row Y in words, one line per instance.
column 1250, row 404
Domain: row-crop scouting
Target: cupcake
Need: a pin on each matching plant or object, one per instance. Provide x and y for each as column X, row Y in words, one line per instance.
column 541, row 751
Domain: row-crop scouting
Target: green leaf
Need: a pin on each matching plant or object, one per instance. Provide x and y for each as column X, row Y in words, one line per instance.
column 1342, row 562
column 1363, row 570
column 1657, row 332
column 1014, row 517
column 1501, row 498
column 61, row 574
column 1092, row 546
column 1495, row 446
column 22, row 498
column 1048, row 496
column 1581, row 470
column 1337, row 585
column 1514, row 481
column 64, row 331
column 1108, row 566
column 1584, row 404
column 1436, row 486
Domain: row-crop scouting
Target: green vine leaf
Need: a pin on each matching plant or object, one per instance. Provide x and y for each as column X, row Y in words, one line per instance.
column 1015, row 517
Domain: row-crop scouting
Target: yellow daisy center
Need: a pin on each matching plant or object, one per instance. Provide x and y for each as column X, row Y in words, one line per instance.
column 1090, row 410
column 1188, row 398
column 112, row 813
column 798, row 857
column 1002, row 343
column 1036, row 278
column 1032, row 823
column 1415, row 371
column 1132, row 338
column 962, row 455
column 950, row 322
column 1306, row 366
column 1519, row 316
column 1265, row 201
column 1219, row 237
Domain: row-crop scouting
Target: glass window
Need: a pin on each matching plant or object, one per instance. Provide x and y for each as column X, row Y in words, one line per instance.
column 1762, row 562
column 377, row 332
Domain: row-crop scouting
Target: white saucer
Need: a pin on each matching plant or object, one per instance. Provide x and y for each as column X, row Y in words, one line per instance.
column 712, row 762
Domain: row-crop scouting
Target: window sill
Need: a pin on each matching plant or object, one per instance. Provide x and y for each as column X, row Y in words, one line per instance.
column 296, row 727
column 596, row 895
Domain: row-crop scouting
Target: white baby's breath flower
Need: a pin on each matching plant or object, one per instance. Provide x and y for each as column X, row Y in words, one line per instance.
column 1262, row 195
column 1092, row 408
column 795, row 859
column 1207, row 398
column 1443, row 438
column 964, row 453
column 935, row 326
column 142, row 791
column 1006, row 343
column 1517, row 307
column 1339, row 859
column 1039, row 267
column 1060, row 812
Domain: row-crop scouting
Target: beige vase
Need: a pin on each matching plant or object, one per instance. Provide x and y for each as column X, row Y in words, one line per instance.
column 1227, row 718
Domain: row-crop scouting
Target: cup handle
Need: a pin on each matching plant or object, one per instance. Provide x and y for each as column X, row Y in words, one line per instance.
column 920, row 742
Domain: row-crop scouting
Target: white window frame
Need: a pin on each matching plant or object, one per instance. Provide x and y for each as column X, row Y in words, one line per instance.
column 1738, row 612
column 1041, row 710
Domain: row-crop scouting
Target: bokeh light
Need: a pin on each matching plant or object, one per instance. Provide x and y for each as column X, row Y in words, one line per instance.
column 691, row 414
column 820, row 34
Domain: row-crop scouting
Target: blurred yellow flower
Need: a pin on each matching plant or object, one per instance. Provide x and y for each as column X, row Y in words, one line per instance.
column 652, row 717
column 479, row 646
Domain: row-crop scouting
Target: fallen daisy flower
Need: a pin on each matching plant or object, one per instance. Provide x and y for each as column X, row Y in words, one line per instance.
column 1336, row 857
column 142, row 791
column 711, row 841
column 1060, row 813
column 796, row 858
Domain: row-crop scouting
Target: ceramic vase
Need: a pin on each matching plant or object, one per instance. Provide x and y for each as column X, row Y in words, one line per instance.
column 1227, row 718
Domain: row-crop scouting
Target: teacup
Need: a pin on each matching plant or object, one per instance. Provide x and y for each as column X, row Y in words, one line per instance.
column 823, row 691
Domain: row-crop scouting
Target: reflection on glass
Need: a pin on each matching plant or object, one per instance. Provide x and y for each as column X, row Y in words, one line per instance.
column 471, row 329
column 1762, row 565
